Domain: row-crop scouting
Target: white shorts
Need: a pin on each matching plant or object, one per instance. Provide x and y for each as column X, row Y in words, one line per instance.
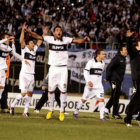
column 58, row 77
column 2, row 78
column 93, row 92
column 26, row 82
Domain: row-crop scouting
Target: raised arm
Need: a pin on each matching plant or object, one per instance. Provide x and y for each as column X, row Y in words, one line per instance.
column 14, row 52
column 36, row 36
column 6, row 39
column 81, row 40
column 18, row 56
column 130, row 47
column 39, row 42
column 22, row 41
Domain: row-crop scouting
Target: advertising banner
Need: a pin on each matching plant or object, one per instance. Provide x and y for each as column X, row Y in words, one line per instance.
column 90, row 106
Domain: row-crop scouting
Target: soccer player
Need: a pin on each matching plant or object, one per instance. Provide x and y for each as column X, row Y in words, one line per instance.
column 26, row 77
column 133, row 48
column 5, row 50
column 94, row 87
column 114, row 74
column 58, row 59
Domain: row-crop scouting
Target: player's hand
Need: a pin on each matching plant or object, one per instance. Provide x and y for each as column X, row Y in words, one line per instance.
column 129, row 33
column 11, row 37
column 45, row 30
column 86, row 38
column 13, row 41
column 27, row 63
column 43, row 88
column 90, row 84
column 24, row 27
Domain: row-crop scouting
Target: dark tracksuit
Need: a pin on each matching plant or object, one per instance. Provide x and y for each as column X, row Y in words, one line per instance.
column 135, row 71
column 114, row 74
column 4, row 97
column 44, row 97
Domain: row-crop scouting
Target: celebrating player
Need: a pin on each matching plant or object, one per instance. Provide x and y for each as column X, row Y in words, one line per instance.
column 58, row 57
column 5, row 50
column 93, row 88
column 26, row 77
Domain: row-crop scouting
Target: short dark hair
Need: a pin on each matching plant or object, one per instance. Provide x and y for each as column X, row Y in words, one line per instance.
column 3, row 34
column 57, row 26
column 121, row 47
column 27, row 41
column 49, row 24
column 97, row 52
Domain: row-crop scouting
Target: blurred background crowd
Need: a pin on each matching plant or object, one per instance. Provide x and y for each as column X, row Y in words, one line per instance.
column 102, row 20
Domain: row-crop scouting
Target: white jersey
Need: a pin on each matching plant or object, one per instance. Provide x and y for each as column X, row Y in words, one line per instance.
column 4, row 52
column 93, row 72
column 30, row 56
column 58, row 54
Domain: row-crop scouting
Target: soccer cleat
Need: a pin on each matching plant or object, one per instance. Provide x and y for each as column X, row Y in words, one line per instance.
column 25, row 114
column 12, row 110
column 5, row 111
column 36, row 111
column 75, row 116
column 103, row 119
column 107, row 116
column 61, row 116
column 138, row 121
column 135, row 116
column 49, row 115
column 117, row 116
column 128, row 124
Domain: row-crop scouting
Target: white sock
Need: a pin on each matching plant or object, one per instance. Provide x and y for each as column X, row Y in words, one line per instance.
column 101, row 109
column 51, row 100
column 62, row 101
column 79, row 105
column 1, row 91
column 27, row 104
column 18, row 97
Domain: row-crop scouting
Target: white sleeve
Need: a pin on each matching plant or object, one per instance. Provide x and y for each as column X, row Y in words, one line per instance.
column 13, row 47
column 3, row 40
column 35, row 48
column 47, row 38
column 87, row 72
column 68, row 39
column 16, row 54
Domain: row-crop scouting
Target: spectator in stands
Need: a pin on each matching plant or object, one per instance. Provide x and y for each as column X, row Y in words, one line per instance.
column 85, row 15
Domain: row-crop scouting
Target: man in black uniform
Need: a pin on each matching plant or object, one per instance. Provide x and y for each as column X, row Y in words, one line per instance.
column 133, row 47
column 44, row 97
column 114, row 74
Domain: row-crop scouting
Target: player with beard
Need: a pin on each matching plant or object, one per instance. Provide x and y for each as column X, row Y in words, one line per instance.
column 58, row 60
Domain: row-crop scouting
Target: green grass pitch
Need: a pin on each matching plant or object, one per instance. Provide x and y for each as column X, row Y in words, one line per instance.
column 86, row 127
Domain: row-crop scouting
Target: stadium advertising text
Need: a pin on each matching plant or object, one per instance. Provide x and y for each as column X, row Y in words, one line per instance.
column 71, row 103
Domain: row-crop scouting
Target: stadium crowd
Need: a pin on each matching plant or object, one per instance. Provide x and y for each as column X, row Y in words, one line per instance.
column 102, row 20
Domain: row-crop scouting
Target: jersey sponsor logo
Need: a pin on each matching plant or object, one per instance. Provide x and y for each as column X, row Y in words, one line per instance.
column 96, row 71
column 4, row 54
column 29, row 56
column 55, row 47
